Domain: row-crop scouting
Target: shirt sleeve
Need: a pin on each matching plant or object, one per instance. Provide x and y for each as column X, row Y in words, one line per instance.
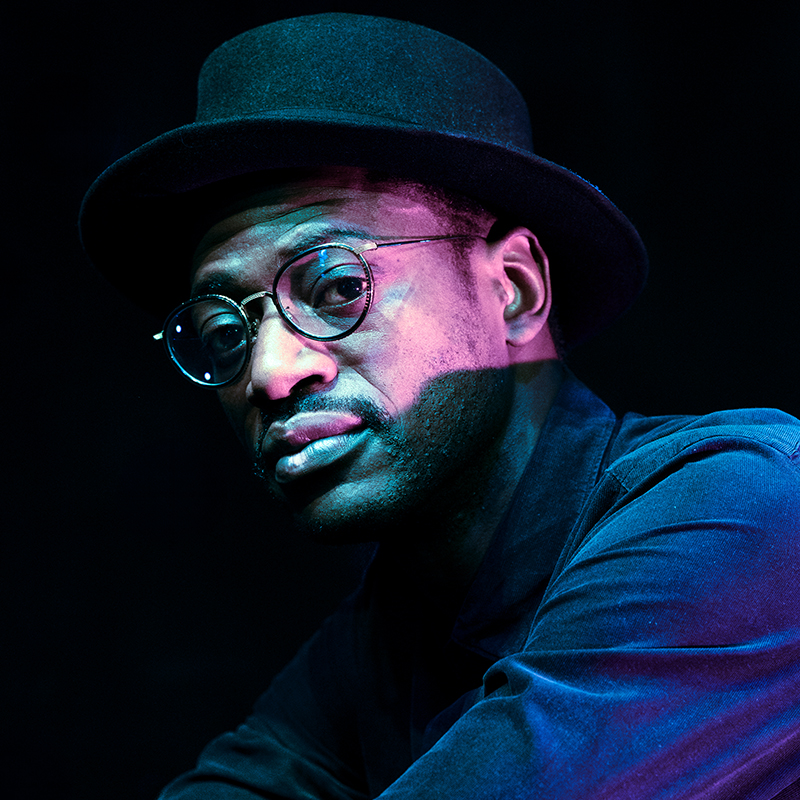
column 664, row 661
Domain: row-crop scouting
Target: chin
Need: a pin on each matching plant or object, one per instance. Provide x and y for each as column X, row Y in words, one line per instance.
column 331, row 512
column 330, row 520
column 320, row 509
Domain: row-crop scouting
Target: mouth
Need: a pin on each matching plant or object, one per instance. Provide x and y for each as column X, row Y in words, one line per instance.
column 310, row 441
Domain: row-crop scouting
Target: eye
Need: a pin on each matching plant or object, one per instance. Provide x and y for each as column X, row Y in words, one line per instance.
column 331, row 281
column 325, row 292
column 338, row 287
column 222, row 334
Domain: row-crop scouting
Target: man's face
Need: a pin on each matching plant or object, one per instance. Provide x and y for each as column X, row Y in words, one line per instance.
column 398, row 422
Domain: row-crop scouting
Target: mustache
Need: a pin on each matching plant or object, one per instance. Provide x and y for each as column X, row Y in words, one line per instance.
column 371, row 414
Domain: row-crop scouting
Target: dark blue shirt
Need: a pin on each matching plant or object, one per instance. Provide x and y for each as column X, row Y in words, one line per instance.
column 633, row 632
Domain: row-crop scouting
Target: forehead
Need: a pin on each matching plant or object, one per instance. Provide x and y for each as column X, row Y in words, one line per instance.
column 276, row 221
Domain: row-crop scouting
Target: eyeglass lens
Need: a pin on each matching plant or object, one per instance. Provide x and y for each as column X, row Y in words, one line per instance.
column 208, row 340
column 324, row 294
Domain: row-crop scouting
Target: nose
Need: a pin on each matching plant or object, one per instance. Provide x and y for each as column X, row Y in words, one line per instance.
column 283, row 361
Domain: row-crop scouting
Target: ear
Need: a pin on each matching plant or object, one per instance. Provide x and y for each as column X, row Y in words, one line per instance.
column 526, row 282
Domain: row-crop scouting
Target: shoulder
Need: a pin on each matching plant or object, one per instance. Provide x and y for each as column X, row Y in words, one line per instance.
column 731, row 470
column 695, row 521
column 645, row 445
column 741, row 465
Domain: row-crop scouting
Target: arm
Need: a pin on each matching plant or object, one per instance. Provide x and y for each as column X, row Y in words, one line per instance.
column 299, row 742
column 664, row 661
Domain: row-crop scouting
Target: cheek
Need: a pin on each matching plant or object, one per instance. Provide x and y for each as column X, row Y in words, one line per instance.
column 241, row 414
column 417, row 352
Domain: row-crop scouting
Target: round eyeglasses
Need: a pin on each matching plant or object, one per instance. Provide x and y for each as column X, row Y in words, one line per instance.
column 323, row 293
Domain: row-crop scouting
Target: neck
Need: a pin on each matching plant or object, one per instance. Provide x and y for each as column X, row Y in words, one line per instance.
column 444, row 565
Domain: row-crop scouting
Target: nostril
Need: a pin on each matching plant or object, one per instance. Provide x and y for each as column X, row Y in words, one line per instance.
column 259, row 397
column 283, row 363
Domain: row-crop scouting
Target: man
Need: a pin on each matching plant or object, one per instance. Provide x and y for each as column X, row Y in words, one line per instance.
column 384, row 279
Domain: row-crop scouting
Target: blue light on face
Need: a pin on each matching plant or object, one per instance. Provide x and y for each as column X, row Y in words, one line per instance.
column 207, row 377
column 178, row 329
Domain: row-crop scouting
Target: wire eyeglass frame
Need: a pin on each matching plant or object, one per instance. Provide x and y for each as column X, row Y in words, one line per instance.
column 251, row 324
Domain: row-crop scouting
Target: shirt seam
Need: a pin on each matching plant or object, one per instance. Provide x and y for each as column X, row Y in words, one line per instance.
column 793, row 457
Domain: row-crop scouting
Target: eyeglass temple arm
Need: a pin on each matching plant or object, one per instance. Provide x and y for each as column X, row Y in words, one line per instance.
column 375, row 245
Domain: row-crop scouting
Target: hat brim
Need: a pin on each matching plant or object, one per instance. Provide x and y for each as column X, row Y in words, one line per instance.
column 139, row 219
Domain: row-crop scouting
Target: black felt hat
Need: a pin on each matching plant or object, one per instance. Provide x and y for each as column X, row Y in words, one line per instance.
column 351, row 90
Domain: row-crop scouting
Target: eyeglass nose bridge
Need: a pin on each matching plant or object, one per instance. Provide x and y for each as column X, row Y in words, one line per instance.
column 252, row 322
column 257, row 296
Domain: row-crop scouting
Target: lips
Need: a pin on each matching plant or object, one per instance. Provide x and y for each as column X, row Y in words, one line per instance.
column 311, row 440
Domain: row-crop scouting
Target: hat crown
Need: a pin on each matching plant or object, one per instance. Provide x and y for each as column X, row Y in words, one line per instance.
column 367, row 92
column 396, row 72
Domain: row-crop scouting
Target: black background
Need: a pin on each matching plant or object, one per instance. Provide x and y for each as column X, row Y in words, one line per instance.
column 150, row 593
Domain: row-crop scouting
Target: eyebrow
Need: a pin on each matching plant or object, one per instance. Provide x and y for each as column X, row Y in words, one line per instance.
column 218, row 284
column 230, row 286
